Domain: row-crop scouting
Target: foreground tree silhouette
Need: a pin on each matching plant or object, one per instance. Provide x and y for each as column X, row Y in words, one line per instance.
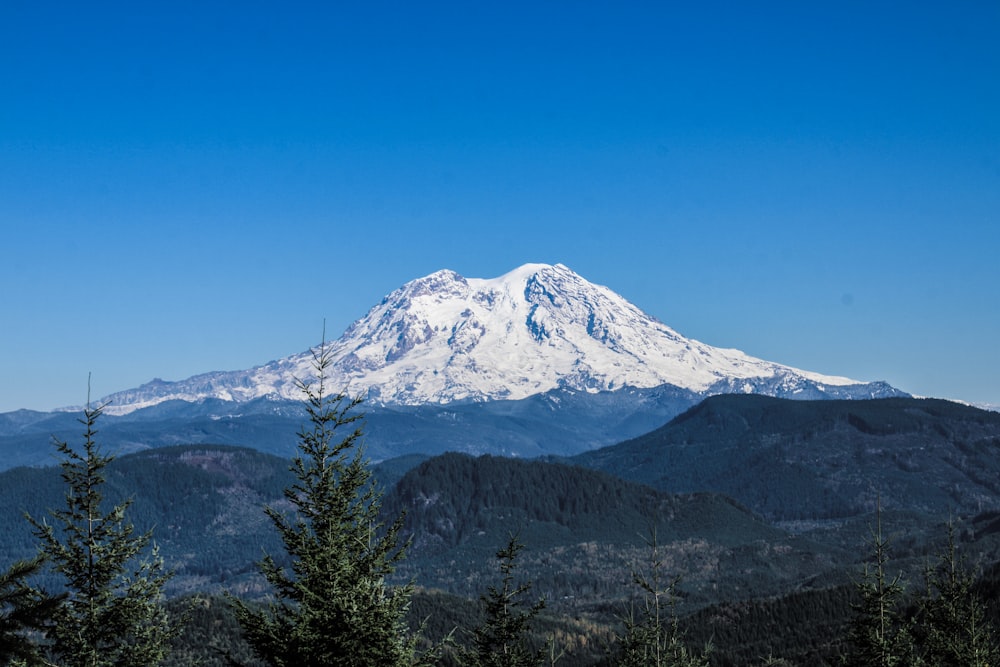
column 653, row 637
column 331, row 604
column 879, row 635
column 113, row 614
column 953, row 625
column 22, row 609
column 502, row 639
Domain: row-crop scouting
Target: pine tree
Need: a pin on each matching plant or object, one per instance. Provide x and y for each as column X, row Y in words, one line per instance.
column 23, row 609
column 952, row 621
column 502, row 639
column 879, row 635
column 331, row 604
column 113, row 616
column 653, row 637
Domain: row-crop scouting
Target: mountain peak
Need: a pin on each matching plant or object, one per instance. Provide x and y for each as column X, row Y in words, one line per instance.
column 444, row 338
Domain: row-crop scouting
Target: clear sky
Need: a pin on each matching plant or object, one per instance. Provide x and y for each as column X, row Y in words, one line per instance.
column 189, row 187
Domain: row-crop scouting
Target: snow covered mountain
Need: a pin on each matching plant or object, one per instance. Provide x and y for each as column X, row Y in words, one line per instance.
column 445, row 338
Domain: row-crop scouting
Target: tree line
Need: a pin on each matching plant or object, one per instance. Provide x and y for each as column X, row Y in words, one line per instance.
column 330, row 601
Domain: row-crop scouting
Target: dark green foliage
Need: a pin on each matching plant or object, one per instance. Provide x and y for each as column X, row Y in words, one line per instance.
column 652, row 636
column 23, row 609
column 211, row 638
column 813, row 627
column 204, row 501
column 572, row 641
column 502, row 640
column 952, row 626
column 452, row 498
column 805, row 627
column 213, row 635
column 332, row 605
column 948, row 626
column 809, row 460
column 584, row 527
column 113, row 615
column 880, row 635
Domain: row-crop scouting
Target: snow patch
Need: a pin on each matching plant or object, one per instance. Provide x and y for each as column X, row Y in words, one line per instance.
column 445, row 338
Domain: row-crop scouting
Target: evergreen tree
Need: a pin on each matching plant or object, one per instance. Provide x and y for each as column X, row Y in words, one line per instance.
column 332, row 605
column 23, row 609
column 879, row 635
column 652, row 637
column 502, row 639
column 953, row 624
column 113, row 616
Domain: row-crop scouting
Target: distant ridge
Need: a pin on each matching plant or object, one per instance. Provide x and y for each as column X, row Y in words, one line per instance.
column 445, row 338
column 791, row 460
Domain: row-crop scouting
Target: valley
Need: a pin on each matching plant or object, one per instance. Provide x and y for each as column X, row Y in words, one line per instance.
column 755, row 503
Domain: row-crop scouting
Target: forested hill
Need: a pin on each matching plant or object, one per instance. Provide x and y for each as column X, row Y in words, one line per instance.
column 204, row 504
column 821, row 459
column 450, row 497
column 586, row 532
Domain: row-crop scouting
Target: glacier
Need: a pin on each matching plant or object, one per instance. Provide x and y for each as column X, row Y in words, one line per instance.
column 446, row 339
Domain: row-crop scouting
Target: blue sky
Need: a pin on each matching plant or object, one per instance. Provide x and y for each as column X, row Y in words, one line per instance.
column 186, row 188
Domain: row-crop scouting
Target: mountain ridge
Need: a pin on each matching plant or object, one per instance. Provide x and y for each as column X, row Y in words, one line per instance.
column 791, row 460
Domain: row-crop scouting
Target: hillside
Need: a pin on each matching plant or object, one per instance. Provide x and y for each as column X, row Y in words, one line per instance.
column 808, row 460
column 203, row 503
column 587, row 532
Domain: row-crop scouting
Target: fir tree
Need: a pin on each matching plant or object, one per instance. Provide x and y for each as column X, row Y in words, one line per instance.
column 652, row 637
column 879, row 635
column 113, row 616
column 23, row 609
column 331, row 604
column 952, row 622
column 502, row 639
